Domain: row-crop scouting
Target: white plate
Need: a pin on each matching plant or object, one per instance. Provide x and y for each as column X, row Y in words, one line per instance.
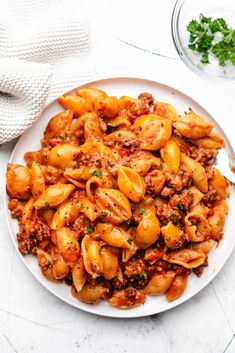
column 30, row 141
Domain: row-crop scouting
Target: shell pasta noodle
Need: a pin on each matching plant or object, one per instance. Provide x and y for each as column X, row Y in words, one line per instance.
column 122, row 200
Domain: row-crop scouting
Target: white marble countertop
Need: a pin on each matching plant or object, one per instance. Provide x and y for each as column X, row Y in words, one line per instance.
column 133, row 39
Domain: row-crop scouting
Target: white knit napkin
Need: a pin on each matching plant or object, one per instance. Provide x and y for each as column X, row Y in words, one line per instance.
column 45, row 50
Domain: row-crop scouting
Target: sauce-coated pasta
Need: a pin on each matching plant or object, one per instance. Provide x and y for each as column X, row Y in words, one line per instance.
column 122, row 200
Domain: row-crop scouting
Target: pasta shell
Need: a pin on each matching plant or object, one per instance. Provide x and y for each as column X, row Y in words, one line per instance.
column 107, row 106
column 68, row 246
column 219, row 184
column 166, row 110
column 80, row 122
column 63, row 156
column 211, row 141
column 48, row 214
column 54, row 195
column 90, row 293
column 131, row 184
column 114, row 203
column 173, row 235
column 60, row 268
column 18, row 181
column 91, row 252
column 157, row 180
column 58, row 125
column 119, row 121
column 65, row 214
column 27, row 210
column 217, row 220
column 197, row 195
column 153, row 254
column 170, row 153
column 199, row 175
column 204, row 246
column 78, row 105
column 120, row 136
column 114, row 236
column 177, row 288
column 92, row 94
column 187, row 258
column 37, row 180
column 79, row 274
column 127, row 298
column 92, row 130
column 199, row 231
column 127, row 254
column 193, row 126
column 159, row 283
column 125, row 102
column 110, row 261
column 153, row 131
column 148, row 230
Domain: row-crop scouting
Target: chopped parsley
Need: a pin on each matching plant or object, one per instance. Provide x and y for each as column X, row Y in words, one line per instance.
column 104, row 214
column 144, row 275
column 161, row 166
column 141, row 211
column 96, row 173
column 130, row 240
column 63, row 137
column 180, row 207
column 90, row 228
column 212, row 37
column 188, row 140
column 46, row 204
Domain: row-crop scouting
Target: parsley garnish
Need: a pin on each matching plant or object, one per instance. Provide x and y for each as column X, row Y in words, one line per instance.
column 96, row 173
column 90, row 228
column 47, row 204
column 186, row 139
column 144, row 275
column 141, row 211
column 63, row 137
column 180, row 207
column 130, row 240
column 104, row 214
column 212, row 37
column 161, row 166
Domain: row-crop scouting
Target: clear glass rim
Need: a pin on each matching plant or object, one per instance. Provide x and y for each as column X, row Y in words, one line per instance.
column 178, row 46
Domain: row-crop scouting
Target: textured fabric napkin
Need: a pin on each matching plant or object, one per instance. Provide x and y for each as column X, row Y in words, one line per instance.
column 45, row 50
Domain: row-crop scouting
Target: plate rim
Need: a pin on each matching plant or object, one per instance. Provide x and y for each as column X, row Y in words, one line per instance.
column 92, row 308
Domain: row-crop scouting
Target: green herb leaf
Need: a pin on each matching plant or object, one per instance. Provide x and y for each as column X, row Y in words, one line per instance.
column 96, row 173
column 63, row 137
column 205, row 58
column 141, row 211
column 104, row 214
column 46, row 204
column 188, row 140
column 130, row 240
column 180, row 207
column 161, row 166
column 90, row 228
column 144, row 275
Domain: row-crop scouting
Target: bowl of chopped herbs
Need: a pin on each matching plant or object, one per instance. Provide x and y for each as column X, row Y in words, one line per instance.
column 204, row 36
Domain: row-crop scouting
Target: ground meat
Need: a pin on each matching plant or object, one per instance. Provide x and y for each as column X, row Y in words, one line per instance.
column 165, row 214
column 204, row 156
column 15, row 206
column 52, row 175
column 186, row 175
column 182, row 202
column 209, row 172
column 155, row 253
column 26, row 244
column 211, row 196
column 39, row 229
column 147, row 98
column 134, row 267
column 166, row 191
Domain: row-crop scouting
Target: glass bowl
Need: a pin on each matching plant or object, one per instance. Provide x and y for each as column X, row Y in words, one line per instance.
column 186, row 10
